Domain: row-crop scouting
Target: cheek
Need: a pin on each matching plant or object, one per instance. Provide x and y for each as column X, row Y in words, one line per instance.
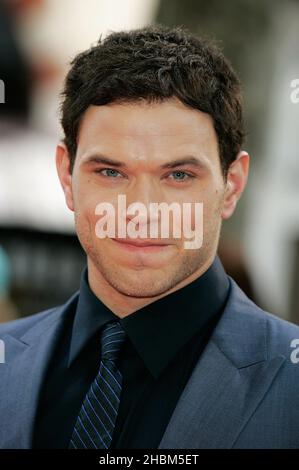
column 85, row 217
column 212, row 206
column 85, row 200
column 205, row 207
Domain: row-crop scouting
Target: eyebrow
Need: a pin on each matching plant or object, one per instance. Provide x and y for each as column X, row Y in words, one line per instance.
column 104, row 160
column 187, row 160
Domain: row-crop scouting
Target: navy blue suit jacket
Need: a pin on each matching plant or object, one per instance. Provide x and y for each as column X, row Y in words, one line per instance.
column 242, row 393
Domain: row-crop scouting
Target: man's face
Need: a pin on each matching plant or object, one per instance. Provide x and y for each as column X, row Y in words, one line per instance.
column 143, row 137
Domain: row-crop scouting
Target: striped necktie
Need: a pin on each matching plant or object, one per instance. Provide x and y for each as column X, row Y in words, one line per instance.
column 96, row 420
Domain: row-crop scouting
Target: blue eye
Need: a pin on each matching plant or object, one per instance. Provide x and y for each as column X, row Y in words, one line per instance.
column 181, row 173
column 110, row 172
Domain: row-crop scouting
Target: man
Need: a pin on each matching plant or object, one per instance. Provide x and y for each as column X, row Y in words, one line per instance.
column 159, row 348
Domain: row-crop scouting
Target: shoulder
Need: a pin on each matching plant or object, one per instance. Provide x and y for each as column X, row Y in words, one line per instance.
column 19, row 327
column 247, row 332
column 282, row 344
column 281, row 334
column 251, row 337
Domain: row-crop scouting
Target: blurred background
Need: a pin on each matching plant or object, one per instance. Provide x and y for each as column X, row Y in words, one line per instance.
column 40, row 257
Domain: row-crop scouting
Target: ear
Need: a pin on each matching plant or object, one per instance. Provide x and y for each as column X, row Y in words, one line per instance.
column 64, row 173
column 235, row 184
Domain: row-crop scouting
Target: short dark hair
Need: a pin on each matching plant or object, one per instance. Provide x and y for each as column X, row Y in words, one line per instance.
column 156, row 63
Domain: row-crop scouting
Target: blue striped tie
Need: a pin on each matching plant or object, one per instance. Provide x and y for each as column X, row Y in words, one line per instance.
column 96, row 420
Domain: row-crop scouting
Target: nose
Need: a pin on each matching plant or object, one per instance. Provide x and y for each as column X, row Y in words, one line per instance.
column 139, row 199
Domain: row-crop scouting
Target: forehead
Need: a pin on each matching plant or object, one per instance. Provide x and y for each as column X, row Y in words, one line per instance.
column 146, row 127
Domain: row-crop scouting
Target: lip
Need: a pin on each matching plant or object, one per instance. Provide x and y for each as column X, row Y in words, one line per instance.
column 144, row 245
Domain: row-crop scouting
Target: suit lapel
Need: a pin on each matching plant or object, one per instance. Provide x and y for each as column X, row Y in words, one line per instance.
column 217, row 402
column 21, row 378
column 228, row 382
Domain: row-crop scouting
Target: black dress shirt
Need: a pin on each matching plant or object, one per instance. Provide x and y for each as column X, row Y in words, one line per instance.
column 164, row 342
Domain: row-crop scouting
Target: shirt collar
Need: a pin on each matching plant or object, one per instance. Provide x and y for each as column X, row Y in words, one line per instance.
column 160, row 329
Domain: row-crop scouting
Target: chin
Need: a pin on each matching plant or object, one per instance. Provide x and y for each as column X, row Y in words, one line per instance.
column 140, row 293
column 139, row 285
